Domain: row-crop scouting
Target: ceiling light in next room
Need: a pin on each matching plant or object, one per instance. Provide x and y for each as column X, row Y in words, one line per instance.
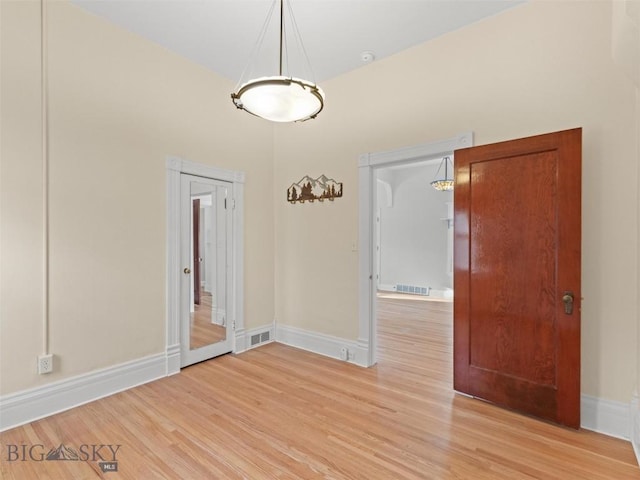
column 446, row 183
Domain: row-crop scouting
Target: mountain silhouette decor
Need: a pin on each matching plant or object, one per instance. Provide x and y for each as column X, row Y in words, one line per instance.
column 62, row 453
column 310, row 189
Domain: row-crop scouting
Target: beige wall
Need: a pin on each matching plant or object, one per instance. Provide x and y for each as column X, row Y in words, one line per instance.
column 541, row 67
column 119, row 106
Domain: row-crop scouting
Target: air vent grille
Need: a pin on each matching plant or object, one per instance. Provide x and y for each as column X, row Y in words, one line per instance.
column 259, row 338
column 413, row 289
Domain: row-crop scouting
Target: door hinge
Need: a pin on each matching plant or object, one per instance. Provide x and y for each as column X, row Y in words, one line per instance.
column 233, row 325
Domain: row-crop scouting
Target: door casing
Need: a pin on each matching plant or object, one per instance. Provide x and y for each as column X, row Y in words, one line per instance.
column 175, row 166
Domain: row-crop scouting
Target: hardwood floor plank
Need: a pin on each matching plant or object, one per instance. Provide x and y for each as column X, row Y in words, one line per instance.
column 277, row 412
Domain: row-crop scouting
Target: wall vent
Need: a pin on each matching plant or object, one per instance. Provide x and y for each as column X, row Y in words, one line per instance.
column 260, row 338
column 413, row 289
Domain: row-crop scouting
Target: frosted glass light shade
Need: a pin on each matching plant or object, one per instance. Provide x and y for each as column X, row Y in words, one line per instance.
column 280, row 99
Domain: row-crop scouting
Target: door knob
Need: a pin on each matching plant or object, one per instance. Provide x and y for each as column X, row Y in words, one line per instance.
column 187, row 270
column 567, row 298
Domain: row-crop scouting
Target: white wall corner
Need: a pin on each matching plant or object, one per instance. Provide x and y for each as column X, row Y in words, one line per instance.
column 29, row 405
column 625, row 38
column 635, row 425
column 322, row 344
column 606, row 416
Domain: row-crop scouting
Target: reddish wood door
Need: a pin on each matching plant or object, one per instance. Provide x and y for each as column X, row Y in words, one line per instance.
column 517, row 255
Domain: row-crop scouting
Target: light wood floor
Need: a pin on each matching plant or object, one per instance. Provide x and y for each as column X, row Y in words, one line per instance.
column 276, row 412
column 203, row 332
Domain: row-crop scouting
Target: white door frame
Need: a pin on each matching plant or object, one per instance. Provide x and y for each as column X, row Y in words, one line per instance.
column 175, row 167
column 367, row 165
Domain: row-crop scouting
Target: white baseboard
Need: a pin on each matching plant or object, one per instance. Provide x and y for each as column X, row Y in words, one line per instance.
column 240, row 341
column 606, row 416
column 600, row 415
column 29, row 405
column 173, row 359
column 322, row 344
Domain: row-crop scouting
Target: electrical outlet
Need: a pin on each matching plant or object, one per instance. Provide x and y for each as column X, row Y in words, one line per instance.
column 45, row 363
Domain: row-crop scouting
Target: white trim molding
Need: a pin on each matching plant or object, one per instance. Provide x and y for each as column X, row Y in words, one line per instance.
column 173, row 359
column 606, row 416
column 240, row 340
column 322, row 344
column 367, row 165
column 175, row 167
column 29, row 405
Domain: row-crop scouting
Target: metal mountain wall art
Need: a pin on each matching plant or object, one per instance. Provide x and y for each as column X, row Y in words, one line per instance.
column 309, row 189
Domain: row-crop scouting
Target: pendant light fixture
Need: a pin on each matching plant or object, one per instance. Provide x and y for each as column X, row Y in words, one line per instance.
column 446, row 183
column 280, row 98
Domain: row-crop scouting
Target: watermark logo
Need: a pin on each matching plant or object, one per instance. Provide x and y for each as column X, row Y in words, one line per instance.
column 62, row 453
column 105, row 455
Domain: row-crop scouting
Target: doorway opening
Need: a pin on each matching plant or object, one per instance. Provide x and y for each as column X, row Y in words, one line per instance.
column 414, row 267
column 371, row 265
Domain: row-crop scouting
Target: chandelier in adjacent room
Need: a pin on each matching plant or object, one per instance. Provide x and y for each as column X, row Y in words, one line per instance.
column 446, row 183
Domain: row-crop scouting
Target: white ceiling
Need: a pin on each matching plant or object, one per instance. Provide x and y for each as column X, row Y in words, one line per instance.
column 221, row 34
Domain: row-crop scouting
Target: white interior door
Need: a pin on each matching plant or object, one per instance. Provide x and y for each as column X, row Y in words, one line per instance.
column 205, row 253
